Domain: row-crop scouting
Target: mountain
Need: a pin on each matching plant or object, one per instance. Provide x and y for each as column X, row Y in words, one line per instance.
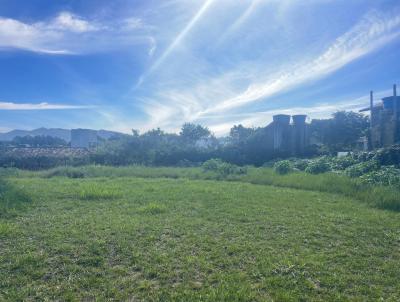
column 64, row 134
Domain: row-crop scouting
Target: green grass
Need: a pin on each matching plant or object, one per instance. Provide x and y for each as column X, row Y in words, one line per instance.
column 12, row 198
column 156, row 239
column 376, row 196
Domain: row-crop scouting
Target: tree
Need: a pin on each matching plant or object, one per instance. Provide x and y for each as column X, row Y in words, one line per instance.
column 191, row 133
column 342, row 131
column 239, row 134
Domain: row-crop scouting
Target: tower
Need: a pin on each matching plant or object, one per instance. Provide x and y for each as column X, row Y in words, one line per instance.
column 299, row 134
column 280, row 131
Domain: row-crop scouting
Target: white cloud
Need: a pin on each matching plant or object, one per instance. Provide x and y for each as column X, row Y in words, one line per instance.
column 39, row 106
column 68, row 34
column 177, row 40
column 373, row 32
column 209, row 95
column 133, row 23
column 317, row 111
column 15, row 34
column 71, row 22
column 153, row 46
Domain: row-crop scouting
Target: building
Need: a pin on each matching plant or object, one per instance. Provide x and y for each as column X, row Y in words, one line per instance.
column 384, row 121
column 83, row 138
column 286, row 137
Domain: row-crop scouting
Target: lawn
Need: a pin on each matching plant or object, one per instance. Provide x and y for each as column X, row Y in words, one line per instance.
column 125, row 238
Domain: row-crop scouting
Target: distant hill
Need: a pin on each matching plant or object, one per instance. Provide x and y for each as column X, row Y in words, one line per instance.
column 64, row 134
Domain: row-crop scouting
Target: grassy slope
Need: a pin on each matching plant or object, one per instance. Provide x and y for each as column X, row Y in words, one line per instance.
column 175, row 239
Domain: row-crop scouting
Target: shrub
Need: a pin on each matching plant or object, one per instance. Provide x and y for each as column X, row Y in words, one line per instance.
column 283, row 167
column 387, row 176
column 222, row 168
column 362, row 168
column 388, row 156
column 301, row 164
column 318, row 166
column 341, row 163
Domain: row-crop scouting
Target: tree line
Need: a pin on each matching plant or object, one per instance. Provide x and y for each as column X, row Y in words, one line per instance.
column 195, row 144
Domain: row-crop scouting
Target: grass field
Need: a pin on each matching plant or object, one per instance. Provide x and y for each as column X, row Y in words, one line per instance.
column 128, row 238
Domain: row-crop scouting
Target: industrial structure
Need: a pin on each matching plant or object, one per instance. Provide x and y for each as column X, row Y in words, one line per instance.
column 83, row 138
column 286, row 137
column 384, row 121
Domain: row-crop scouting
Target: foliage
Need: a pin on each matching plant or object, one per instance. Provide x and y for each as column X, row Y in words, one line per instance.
column 283, row 167
column 341, row 163
column 318, row 166
column 192, row 132
column 301, row 164
column 222, row 168
column 239, row 134
column 362, row 168
column 388, row 156
column 342, row 131
column 387, row 176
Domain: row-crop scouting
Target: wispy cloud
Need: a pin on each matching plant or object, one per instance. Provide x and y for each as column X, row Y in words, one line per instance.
column 210, row 95
column 373, row 32
column 39, row 106
column 316, row 111
column 177, row 40
column 68, row 34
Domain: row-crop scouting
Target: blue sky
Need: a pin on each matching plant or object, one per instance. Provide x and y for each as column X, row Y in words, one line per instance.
column 143, row 64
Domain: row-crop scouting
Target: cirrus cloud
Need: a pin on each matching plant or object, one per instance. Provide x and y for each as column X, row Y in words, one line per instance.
column 40, row 106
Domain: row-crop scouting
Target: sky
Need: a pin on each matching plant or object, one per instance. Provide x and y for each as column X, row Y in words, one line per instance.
column 143, row 64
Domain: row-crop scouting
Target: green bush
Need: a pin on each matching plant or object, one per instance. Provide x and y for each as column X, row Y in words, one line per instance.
column 318, row 166
column 362, row 168
column 341, row 163
column 283, row 167
column 301, row 164
column 388, row 156
column 222, row 168
column 387, row 176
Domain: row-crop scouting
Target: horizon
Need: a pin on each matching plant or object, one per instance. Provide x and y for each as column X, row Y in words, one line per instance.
column 147, row 64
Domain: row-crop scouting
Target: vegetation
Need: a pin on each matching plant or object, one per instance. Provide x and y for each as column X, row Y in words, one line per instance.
column 375, row 194
column 12, row 199
column 342, row 131
column 110, row 235
column 193, row 146
column 222, row 169
column 38, row 141
column 188, row 217
column 283, row 167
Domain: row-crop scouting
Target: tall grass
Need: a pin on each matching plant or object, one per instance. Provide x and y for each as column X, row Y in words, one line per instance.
column 126, row 171
column 98, row 192
column 11, row 198
column 378, row 196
